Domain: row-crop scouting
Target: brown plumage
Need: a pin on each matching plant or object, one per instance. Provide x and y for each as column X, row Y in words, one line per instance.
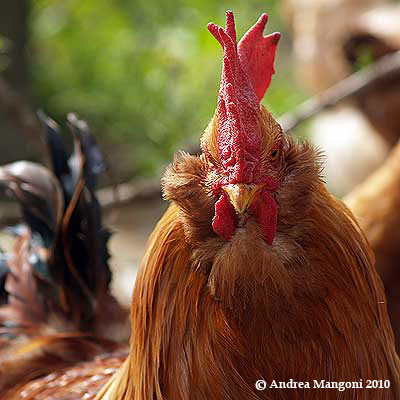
column 295, row 297
column 210, row 317
column 82, row 381
column 376, row 205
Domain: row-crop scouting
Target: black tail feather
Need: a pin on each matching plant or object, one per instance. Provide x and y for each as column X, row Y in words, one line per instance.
column 4, row 270
column 66, row 243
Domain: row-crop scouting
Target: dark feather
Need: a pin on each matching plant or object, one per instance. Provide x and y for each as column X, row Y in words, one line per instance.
column 59, row 276
column 56, row 146
column 83, row 238
column 39, row 196
column 3, row 274
column 86, row 145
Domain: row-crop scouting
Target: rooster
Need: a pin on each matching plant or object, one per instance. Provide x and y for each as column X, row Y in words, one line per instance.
column 254, row 272
column 58, row 307
column 375, row 203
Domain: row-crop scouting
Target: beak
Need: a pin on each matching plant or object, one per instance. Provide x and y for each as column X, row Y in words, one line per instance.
column 241, row 195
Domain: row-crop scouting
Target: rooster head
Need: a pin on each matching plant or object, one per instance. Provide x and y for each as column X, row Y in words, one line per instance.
column 243, row 143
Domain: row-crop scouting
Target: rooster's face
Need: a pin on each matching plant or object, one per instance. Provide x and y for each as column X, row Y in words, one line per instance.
column 250, row 175
column 245, row 186
column 242, row 144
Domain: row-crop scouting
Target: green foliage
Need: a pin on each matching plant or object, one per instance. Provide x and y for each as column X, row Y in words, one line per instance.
column 144, row 73
column 365, row 58
column 3, row 53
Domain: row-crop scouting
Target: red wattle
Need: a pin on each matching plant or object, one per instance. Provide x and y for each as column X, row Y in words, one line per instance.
column 223, row 222
column 266, row 213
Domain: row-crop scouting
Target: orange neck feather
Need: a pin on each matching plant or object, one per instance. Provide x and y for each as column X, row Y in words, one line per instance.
column 193, row 328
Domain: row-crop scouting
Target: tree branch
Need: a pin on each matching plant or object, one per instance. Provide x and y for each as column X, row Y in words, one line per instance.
column 387, row 67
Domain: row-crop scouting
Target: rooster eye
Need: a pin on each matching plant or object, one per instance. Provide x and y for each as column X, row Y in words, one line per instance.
column 274, row 154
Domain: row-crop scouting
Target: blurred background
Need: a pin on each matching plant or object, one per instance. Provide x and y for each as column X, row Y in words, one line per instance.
column 145, row 75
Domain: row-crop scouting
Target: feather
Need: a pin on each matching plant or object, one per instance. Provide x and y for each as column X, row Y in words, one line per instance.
column 58, row 156
column 4, row 269
column 212, row 315
column 375, row 203
column 51, row 357
column 81, row 381
column 39, row 196
column 58, row 278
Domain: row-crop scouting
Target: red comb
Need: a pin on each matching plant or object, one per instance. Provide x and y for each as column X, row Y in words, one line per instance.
column 257, row 52
column 246, row 74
